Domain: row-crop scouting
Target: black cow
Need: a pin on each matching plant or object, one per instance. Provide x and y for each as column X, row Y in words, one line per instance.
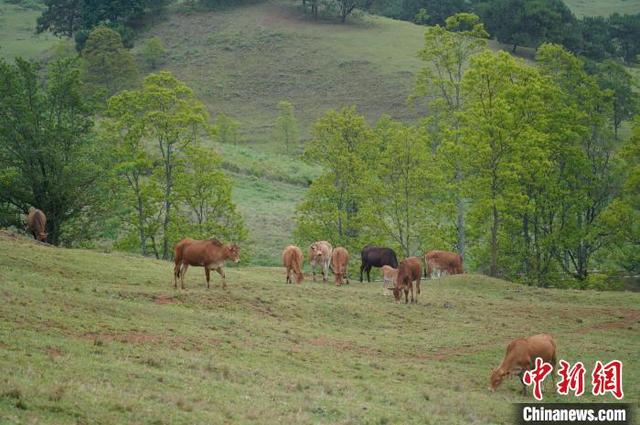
column 375, row 256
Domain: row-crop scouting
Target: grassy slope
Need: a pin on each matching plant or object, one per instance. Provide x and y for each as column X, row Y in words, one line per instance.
column 103, row 338
column 603, row 7
column 17, row 33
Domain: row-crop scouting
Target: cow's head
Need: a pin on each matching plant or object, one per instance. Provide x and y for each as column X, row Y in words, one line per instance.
column 233, row 252
column 42, row 236
column 497, row 375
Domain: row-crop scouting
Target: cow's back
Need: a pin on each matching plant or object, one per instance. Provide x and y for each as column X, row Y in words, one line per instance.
column 339, row 259
column 378, row 256
column 37, row 222
column 292, row 256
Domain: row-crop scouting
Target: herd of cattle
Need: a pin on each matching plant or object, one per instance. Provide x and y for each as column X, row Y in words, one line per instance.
column 397, row 277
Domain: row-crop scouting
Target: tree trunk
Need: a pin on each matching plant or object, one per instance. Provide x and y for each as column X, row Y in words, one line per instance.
column 461, row 218
column 493, row 272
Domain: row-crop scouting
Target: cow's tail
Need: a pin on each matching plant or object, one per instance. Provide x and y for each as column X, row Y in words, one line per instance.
column 298, row 269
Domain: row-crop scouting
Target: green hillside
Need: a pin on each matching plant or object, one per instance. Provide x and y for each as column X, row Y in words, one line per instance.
column 103, row 338
column 603, row 7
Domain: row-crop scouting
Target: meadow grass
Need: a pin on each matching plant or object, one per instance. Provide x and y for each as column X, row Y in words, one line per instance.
column 18, row 33
column 603, row 7
column 91, row 338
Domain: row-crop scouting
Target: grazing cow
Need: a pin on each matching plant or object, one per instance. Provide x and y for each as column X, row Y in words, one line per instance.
column 442, row 261
column 374, row 256
column 37, row 222
column 389, row 275
column 209, row 253
column 339, row 262
column 292, row 261
column 409, row 270
column 521, row 355
column 320, row 255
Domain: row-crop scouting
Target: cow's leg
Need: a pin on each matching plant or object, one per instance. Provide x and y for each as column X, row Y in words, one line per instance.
column 176, row 273
column 220, row 271
column 288, row 279
column 406, row 296
column 524, row 386
column 361, row 270
column 369, row 274
column 326, row 271
column 183, row 273
column 417, row 289
column 207, row 273
column 313, row 271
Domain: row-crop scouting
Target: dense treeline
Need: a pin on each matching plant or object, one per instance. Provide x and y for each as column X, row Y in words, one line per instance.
column 517, row 167
column 529, row 23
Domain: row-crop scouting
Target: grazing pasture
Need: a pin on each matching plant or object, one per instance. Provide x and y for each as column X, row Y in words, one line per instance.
column 88, row 337
column 603, row 7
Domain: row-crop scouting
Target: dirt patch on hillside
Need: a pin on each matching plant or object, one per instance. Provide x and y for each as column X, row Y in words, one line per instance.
column 626, row 319
column 164, row 299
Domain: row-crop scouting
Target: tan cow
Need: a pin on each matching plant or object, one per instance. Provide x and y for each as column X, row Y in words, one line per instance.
column 442, row 261
column 37, row 222
column 521, row 355
column 292, row 260
column 210, row 254
column 389, row 275
column 320, row 255
column 339, row 263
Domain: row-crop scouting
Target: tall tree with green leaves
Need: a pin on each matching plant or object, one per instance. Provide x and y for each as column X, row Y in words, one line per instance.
column 153, row 52
column 108, row 66
column 588, row 163
column 286, row 128
column 205, row 193
column 505, row 100
column 446, row 53
column 613, row 76
column 169, row 117
column 49, row 157
column 226, row 129
column 338, row 205
column 405, row 215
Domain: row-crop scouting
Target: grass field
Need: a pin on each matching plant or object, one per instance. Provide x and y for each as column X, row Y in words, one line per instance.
column 17, row 33
column 91, row 338
column 603, row 7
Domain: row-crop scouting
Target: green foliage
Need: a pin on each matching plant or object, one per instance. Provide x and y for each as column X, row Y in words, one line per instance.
column 286, row 127
column 226, row 129
column 77, row 18
column 153, row 52
column 527, row 22
column 205, row 191
column 108, row 66
column 49, row 157
column 339, row 204
column 159, row 126
column 626, row 102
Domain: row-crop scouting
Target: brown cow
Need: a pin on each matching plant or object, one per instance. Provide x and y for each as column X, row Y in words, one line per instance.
column 320, row 255
column 210, row 254
column 339, row 263
column 449, row 262
column 389, row 275
column 37, row 222
column 409, row 270
column 292, row 261
column 521, row 355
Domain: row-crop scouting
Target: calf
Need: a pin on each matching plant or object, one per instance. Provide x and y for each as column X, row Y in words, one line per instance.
column 375, row 256
column 339, row 263
column 521, row 355
column 320, row 255
column 442, row 261
column 292, row 261
column 409, row 270
column 210, row 254
column 37, row 222
column 389, row 275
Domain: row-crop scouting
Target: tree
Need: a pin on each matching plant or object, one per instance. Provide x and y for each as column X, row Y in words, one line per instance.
column 227, row 129
column 402, row 170
column 613, row 76
column 107, row 64
column 286, row 128
column 446, row 53
column 527, row 22
column 165, row 113
column 153, row 52
column 587, row 164
column 49, row 157
column 338, row 204
column 505, row 100
column 205, row 192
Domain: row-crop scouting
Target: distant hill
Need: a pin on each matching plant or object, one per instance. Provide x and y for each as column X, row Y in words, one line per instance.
column 603, row 7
